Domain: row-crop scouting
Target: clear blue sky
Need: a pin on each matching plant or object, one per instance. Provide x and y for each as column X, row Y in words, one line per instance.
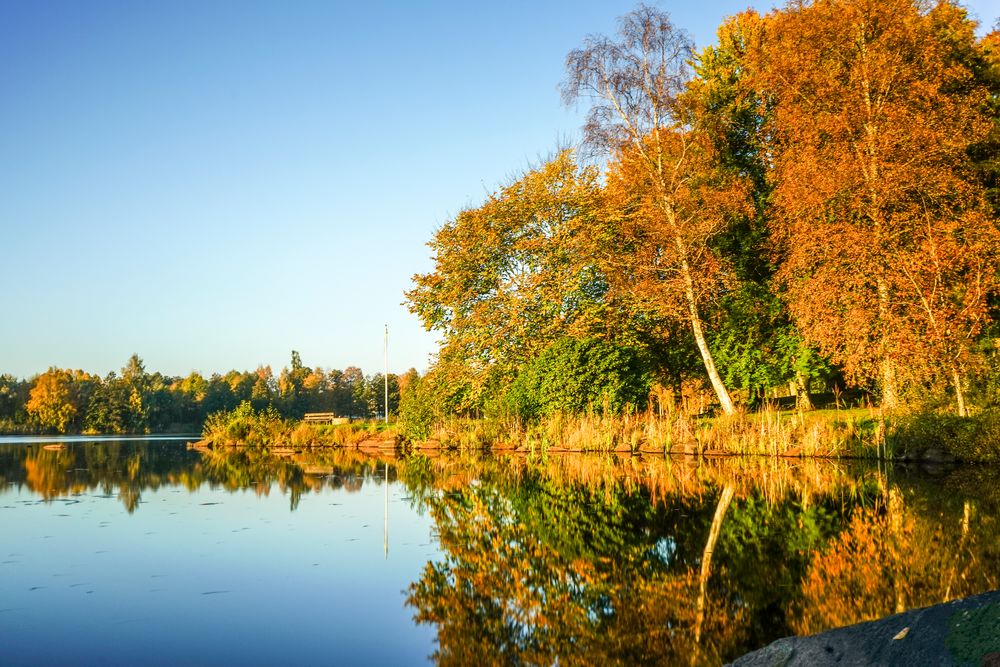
column 214, row 184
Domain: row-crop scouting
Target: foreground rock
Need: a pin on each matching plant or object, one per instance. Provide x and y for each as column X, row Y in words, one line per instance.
column 962, row 632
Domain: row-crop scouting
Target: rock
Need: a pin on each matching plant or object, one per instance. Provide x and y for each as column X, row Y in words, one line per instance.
column 961, row 632
column 935, row 455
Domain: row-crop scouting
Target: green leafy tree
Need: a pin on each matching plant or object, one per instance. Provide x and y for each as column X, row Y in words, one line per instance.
column 373, row 395
column 291, row 387
column 350, row 392
column 419, row 408
column 137, row 383
column 109, row 407
column 13, row 397
column 576, row 376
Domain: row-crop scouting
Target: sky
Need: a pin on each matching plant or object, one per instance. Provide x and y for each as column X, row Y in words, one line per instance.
column 212, row 185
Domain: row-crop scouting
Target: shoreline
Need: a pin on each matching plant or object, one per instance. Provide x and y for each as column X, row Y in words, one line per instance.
column 406, row 447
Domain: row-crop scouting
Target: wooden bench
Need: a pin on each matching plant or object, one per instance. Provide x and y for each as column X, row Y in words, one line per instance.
column 324, row 418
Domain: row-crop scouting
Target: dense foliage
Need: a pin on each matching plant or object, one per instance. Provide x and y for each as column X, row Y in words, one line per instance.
column 575, row 376
column 809, row 204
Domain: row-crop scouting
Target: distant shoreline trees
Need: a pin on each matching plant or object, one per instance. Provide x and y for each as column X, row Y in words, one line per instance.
column 135, row 401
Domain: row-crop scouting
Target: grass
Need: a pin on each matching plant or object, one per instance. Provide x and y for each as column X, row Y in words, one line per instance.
column 852, row 433
column 935, row 436
column 246, row 427
column 833, row 433
column 830, row 433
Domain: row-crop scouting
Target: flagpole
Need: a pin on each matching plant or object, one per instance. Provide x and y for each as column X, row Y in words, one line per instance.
column 385, row 377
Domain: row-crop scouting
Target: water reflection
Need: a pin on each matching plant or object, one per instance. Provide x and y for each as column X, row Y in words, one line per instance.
column 582, row 560
column 127, row 468
column 612, row 560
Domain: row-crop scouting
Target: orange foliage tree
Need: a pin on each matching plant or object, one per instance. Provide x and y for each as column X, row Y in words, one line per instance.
column 58, row 398
column 890, row 250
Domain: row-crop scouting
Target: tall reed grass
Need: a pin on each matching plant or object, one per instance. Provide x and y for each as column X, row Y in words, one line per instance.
column 829, row 433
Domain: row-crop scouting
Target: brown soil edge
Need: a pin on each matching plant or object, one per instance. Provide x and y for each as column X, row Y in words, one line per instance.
column 932, row 457
column 960, row 632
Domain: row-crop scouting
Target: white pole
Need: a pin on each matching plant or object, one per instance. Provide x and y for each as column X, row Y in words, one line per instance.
column 385, row 530
column 385, row 377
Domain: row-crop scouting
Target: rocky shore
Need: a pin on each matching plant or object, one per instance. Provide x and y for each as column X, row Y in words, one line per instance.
column 961, row 632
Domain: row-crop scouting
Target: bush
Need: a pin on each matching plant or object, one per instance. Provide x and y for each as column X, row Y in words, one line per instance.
column 244, row 425
column 574, row 376
column 418, row 410
column 975, row 438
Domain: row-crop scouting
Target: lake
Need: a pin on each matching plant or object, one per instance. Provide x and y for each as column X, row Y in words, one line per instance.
column 131, row 551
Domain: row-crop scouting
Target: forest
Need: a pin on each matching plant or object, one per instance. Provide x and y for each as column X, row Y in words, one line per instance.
column 808, row 206
column 135, row 401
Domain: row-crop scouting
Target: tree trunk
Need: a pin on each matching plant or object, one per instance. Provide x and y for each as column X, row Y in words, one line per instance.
column 890, row 389
column 706, row 557
column 699, row 338
column 956, row 378
column 802, row 400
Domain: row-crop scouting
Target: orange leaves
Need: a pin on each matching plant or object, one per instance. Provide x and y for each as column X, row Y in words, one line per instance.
column 513, row 274
column 55, row 398
column 874, row 111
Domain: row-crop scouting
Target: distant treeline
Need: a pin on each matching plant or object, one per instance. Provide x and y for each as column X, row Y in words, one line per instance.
column 135, row 401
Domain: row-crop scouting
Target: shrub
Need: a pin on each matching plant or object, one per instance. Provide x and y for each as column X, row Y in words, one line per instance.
column 244, row 425
column 574, row 376
column 975, row 438
column 418, row 409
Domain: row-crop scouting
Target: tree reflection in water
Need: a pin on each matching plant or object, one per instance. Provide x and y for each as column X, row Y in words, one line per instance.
column 128, row 468
column 602, row 561
column 120, row 468
column 614, row 560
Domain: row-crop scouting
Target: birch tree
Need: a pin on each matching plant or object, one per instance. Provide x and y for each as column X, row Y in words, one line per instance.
column 671, row 198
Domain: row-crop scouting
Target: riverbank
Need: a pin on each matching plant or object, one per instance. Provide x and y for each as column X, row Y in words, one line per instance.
column 960, row 632
column 832, row 433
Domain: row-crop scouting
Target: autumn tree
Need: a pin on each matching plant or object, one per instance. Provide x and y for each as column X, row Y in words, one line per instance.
column 985, row 61
column 756, row 344
column 889, row 246
column 58, row 399
column 265, row 387
column 670, row 196
column 512, row 275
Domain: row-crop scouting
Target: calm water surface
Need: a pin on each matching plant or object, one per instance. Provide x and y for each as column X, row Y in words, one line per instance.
column 146, row 552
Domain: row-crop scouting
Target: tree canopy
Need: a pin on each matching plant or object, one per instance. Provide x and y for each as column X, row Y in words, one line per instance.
column 812, row 198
